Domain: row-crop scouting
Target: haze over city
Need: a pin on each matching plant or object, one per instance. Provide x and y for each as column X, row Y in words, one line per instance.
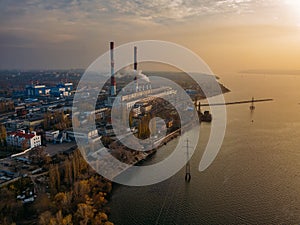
column 126, row 139
column 230, row 35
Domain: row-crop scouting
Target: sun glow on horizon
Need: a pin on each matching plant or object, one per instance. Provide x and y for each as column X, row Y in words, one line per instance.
column 294, row 6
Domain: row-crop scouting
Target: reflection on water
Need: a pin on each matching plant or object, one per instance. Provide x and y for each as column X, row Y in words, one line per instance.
column 254, row 179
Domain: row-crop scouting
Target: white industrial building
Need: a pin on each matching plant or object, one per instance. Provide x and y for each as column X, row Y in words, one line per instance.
column 21, row 139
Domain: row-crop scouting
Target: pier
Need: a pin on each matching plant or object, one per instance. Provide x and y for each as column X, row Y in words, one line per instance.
column 237, row 102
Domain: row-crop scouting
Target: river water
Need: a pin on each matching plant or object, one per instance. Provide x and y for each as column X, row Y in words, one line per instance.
column 255, row 178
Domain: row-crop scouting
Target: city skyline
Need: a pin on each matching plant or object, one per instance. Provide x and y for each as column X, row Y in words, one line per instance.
column 230, row 35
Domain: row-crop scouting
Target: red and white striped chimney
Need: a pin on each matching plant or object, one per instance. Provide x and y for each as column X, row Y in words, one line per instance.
column 135, row 65
column 113, row 87
column 135, row 58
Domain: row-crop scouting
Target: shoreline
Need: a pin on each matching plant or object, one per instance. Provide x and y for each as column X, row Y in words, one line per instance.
column 147, row 154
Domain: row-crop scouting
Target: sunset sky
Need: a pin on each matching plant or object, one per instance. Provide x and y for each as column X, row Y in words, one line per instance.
column 230, row 35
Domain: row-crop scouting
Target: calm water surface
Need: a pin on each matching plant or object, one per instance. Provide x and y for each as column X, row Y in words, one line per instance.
column 255, row 178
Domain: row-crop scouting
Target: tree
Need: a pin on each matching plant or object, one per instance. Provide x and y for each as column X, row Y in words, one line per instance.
column 68, row 172
column 44, row 218
column 100, row 219
column 67, row 220
column 54, row 178
column 60, row 200
column 99, row 200
column 9, row 206
column 39, row 156
column 108, row 223
column 58, row 176
column 86, row 199
column 63, row 202
column 3, row 133
column 5, row 221
column 130, row 118
column 81, row 190
column 42, row 203
column 143, row 129
column 84, row 213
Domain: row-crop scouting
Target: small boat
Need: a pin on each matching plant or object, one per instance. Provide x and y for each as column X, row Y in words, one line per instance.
column 205, row 117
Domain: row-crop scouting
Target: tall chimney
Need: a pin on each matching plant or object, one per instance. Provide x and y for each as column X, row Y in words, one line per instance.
column 113, row 88
column 135, row 64
column 135, row 58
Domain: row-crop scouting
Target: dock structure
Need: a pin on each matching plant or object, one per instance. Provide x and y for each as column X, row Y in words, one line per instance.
column 236, row 102
column 207, row 117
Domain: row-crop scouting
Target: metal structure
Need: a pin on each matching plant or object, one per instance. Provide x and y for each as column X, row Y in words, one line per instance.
column 187, row 166
column 135, row 67
column 252, row 101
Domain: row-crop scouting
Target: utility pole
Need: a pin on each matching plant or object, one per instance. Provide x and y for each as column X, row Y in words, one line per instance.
column 187, row 166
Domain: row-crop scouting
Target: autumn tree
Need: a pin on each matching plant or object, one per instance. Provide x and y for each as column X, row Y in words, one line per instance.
column 39, row 156
column 58, row 120
column 99, row 200
column 10, row 208
column 68, row 173
column 143, row 129
column 60, row 200
column 54, row 178
column 131, row 118
column 3, row 135
column 100, row 219
column 42, row 203
column 84, row 213
column 81, row 190
column 86, row 198
column 46, row 218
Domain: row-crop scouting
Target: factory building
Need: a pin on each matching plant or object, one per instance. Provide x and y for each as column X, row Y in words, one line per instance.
column 61, row 89
column 140, row 92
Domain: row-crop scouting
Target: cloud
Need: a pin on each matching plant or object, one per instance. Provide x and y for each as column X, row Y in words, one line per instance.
column 155, row 10
column 86, row 26
column 159, row 10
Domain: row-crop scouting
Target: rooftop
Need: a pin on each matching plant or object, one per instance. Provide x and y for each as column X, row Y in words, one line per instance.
column 21, row 134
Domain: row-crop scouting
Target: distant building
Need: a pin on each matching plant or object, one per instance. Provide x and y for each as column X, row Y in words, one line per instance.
column 14, row 125
column 23, row 140
column 128, row 100
column 37, row 90
column 98, row 113
column 86, row 136
column 109, row 131
column 6, row 105
column 20, row 109
column 34, row 121
column 61, row 89
column 51, row 135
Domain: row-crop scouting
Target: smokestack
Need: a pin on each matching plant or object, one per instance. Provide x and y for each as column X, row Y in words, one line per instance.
column 135, row 58
column 135, row 67
column 113, row 88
